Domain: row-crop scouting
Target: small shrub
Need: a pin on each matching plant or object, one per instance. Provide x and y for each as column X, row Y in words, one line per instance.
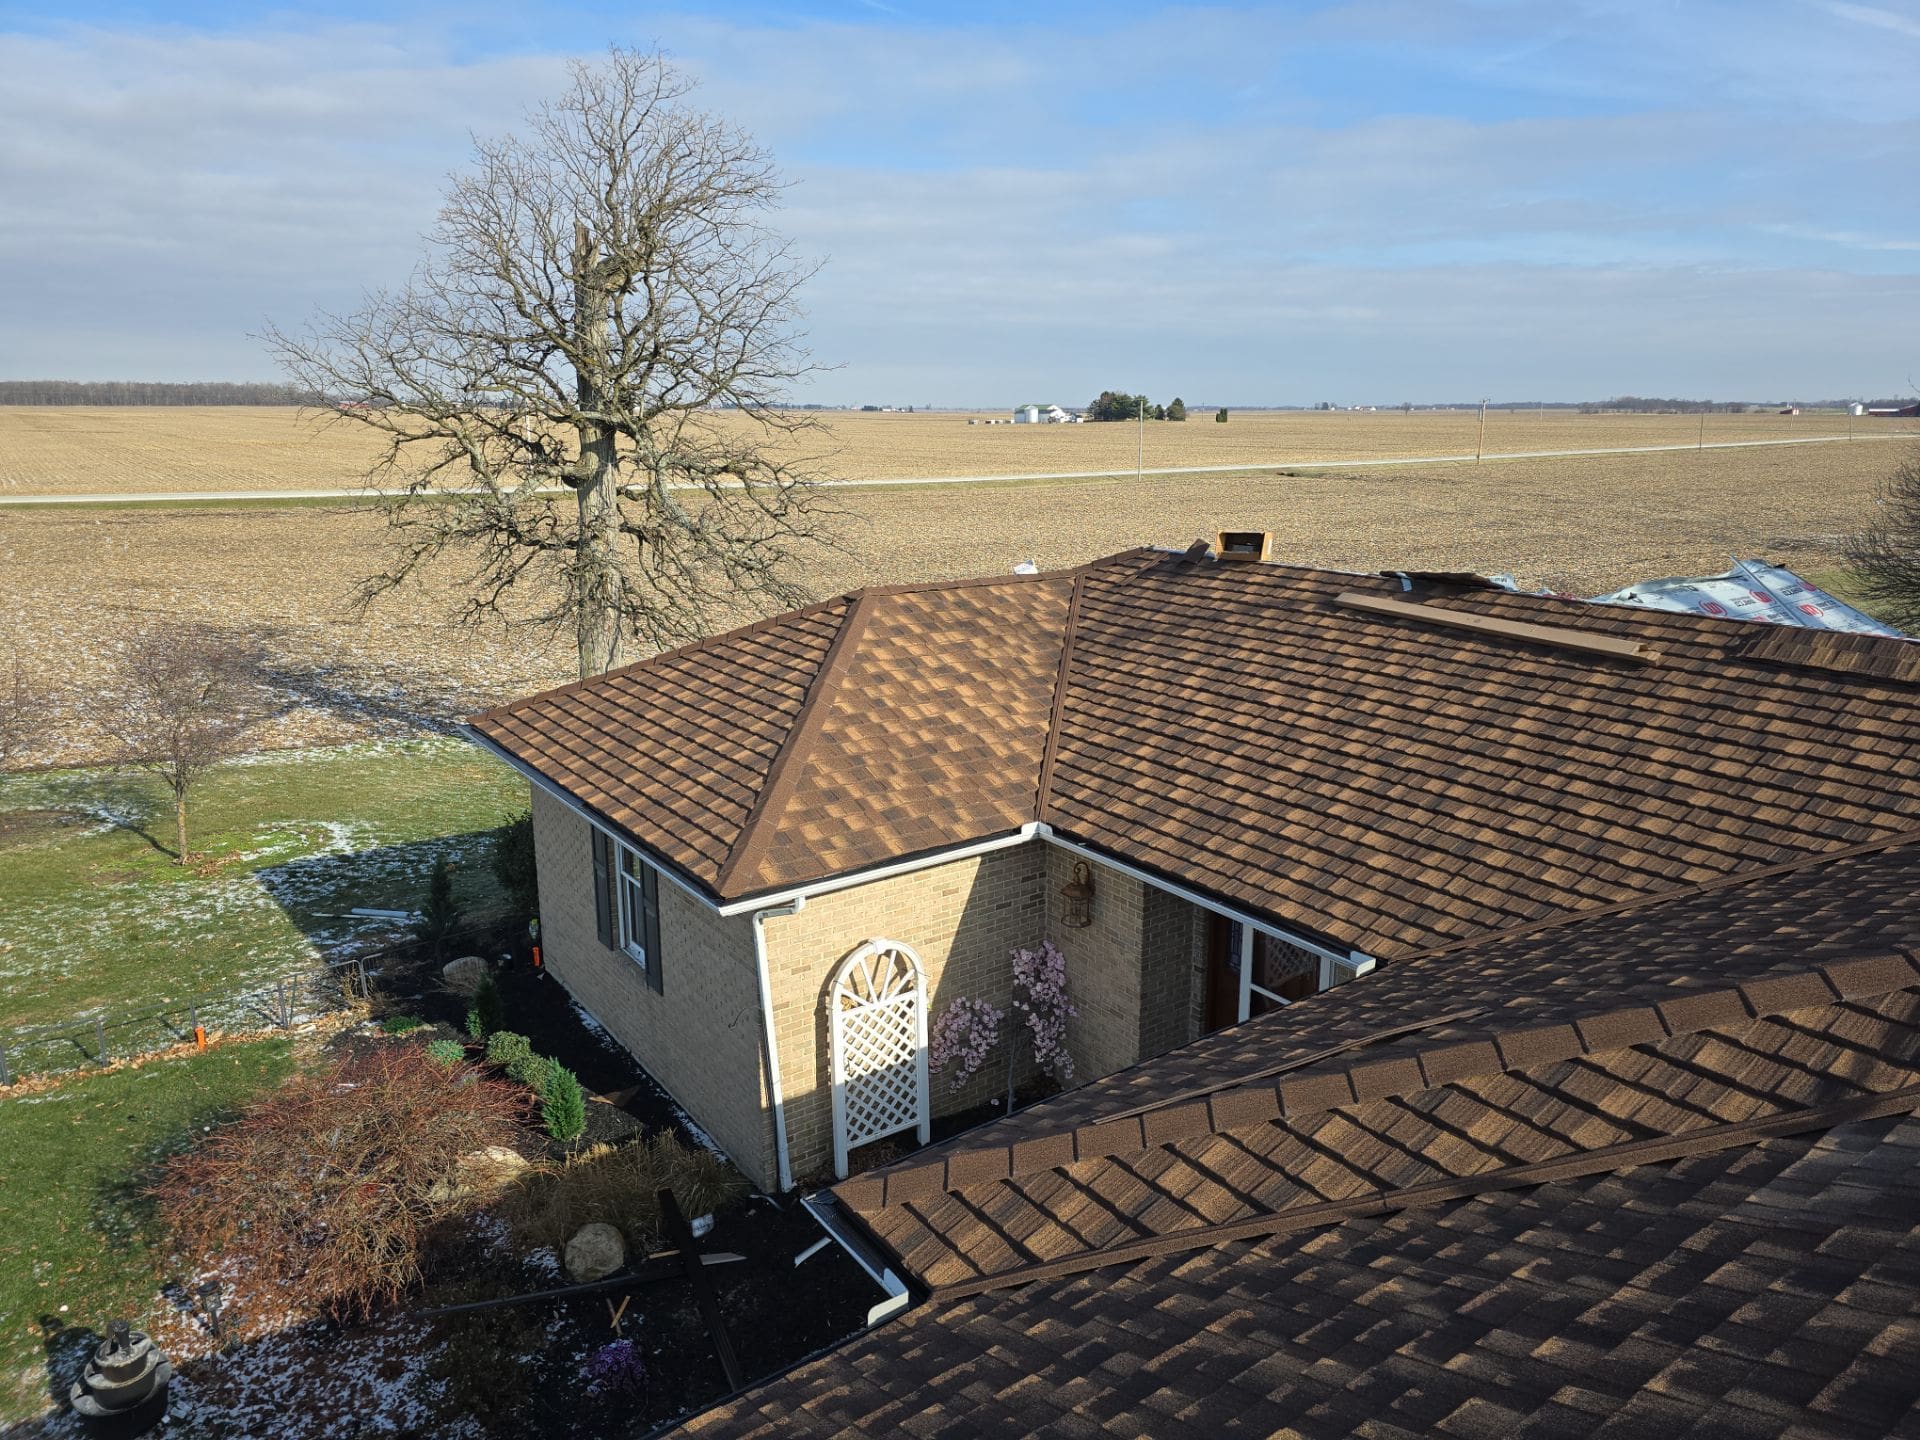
column 504, row 1047
column 401, row 1024
column 563, row 1104
column 488, row 1012
column 513, row 863
column 530, row 1070
column 438, row 917
column 323, row 1192
column 617, row 1370
column 447, row 1052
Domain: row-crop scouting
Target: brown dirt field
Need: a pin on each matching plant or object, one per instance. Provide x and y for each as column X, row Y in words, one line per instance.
column 114, row 450
column 73, row 580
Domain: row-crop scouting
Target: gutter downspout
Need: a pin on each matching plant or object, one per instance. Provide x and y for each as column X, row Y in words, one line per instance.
column 782, row 1166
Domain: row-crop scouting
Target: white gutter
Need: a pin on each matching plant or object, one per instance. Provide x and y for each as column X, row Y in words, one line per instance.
column 776, row 902
column 847, row 881
column 1194, row 897
column 778, row 898
column 822, row 1207
column 783, row 1166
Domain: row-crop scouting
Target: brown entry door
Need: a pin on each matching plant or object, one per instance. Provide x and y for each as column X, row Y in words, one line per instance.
column 1223, row 971
column 1286, row 970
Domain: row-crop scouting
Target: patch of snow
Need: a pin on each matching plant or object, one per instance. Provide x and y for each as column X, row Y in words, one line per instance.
column 542, row 1263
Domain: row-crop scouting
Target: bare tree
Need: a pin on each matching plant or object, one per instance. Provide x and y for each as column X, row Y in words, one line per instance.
column 183, row 699
column 22, row 712
column 1885, row 556
column 580, row 389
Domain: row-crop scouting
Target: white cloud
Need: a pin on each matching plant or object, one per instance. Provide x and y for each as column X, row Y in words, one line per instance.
column 1052, row 210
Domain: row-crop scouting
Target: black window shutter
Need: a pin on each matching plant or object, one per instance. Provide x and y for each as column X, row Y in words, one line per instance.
column 603, row 886
column 650, row 901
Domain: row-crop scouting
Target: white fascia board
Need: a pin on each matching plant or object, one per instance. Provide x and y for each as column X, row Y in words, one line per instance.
column 851, row 878
column 1032, row 830
column 1194, row 897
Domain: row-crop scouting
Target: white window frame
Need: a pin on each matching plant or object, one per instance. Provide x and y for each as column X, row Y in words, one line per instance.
column 1335, row 966
column 630, row 901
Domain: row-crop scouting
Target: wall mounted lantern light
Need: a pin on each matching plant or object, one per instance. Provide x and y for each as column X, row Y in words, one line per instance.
column 1077, row 895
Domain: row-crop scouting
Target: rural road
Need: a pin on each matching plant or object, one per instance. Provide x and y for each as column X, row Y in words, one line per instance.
column 1342, row 462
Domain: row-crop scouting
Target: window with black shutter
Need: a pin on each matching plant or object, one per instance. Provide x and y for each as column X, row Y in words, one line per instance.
column 637, row 911
column 603, row 887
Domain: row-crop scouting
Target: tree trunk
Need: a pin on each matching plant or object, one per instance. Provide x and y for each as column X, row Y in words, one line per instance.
column 597, row 571
column 180, row 827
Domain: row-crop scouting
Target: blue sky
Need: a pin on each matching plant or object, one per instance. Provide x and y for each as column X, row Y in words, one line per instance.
column 1365, row 201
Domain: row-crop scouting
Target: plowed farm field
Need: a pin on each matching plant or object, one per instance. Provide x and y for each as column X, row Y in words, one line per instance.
column 93, row 450
column 74, row 581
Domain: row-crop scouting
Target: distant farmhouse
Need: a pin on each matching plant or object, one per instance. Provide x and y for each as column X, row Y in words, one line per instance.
column 1043, row 415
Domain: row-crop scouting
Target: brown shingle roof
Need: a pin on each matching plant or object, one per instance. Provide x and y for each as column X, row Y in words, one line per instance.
column 1389, row 783
column 1650, row 1170
column 1596, row 1025
column 1766, row 1290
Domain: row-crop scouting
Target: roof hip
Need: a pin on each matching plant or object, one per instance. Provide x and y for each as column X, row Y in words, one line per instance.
column 756, row 833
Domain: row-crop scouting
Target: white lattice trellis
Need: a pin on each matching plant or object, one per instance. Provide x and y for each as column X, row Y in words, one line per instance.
column 876, row 1008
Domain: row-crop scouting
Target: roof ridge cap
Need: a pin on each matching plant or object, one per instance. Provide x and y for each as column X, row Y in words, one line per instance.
column 777, row 788
column 1650, row 1150
column 1544, row 1040
column 765, row 622
column 1075, row 572
column 1042, row 808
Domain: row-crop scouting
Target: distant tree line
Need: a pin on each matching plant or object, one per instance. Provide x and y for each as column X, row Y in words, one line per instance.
column 152, row 392
column 1119, row 405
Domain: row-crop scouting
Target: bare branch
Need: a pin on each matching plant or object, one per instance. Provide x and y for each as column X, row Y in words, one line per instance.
column 183, row 699
column 23, row 713
column 1885, row 555
column 581, row 391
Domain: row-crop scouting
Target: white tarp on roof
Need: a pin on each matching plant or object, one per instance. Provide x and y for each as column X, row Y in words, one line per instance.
column 1751, row 590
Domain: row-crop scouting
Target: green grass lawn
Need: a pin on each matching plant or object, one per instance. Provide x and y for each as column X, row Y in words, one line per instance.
column 96, row 914
column 1844, row 586
column 74, row 1230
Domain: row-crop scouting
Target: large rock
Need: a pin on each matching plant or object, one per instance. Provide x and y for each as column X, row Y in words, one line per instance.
column 463, row 976
column 490, row 1168
column 595, row 1252
column 478, row 1172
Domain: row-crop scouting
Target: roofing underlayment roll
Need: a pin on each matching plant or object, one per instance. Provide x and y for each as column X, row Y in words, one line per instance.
column 1751, row 590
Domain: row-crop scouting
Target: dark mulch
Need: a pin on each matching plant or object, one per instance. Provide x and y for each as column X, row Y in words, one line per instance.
column 775, row 1313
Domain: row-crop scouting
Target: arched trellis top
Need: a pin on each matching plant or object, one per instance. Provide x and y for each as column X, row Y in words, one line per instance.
column 877, row 1015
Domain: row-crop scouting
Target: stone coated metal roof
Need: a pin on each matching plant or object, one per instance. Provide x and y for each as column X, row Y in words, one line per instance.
column 1384, row 781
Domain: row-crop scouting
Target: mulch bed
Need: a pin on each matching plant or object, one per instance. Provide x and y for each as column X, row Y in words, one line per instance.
column 775, row 1313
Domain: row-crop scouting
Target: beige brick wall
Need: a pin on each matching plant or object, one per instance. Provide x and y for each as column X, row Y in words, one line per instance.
column 1131, row 972
column 963, row 919
column 699, row 1037
column 1132, row 975
column 1173, row 958
column 1103, row 966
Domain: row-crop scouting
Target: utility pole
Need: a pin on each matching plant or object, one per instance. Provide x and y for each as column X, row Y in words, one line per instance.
column 1140, row 456
column 1480, row 445
column 1701, row 443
